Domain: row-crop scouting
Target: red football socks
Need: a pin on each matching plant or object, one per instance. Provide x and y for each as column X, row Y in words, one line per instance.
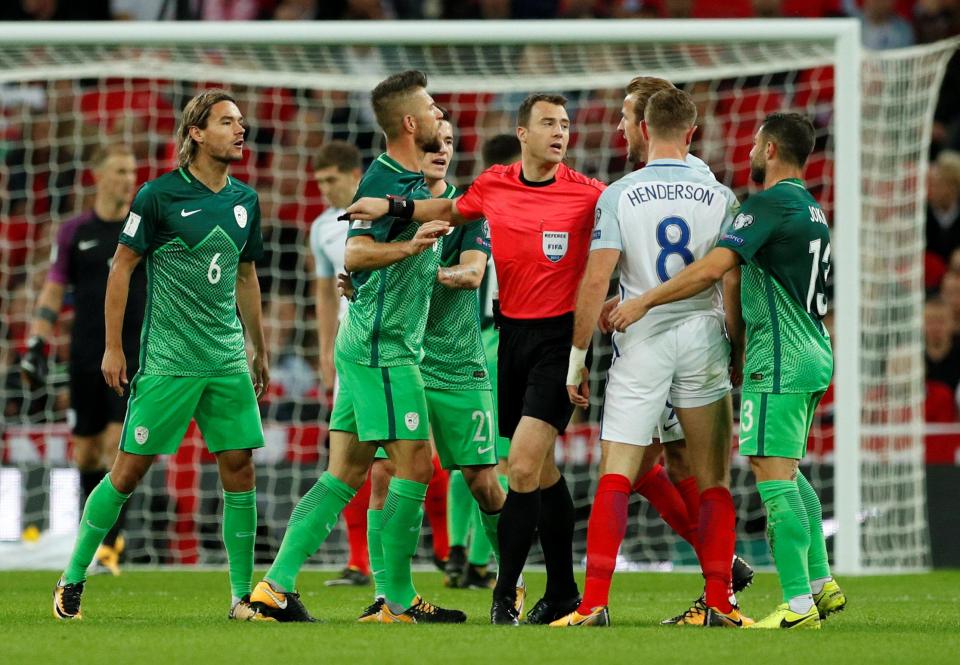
column 718, row 539
column 605, row 531
column 656, row 488
column 435, row 508
column 355, row 515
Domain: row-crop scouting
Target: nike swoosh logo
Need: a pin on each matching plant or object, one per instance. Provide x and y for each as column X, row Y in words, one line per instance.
column 245, row 534
column 667, row 428
column 84, row 245
column 482, row 451
column 281, row 604
column 184, row 213
column 790, row 624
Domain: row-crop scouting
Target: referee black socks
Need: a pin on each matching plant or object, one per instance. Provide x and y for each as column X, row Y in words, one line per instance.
column 556, row 539
column 518, row 521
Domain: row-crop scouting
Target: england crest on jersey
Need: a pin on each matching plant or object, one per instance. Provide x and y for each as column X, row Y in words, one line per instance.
column 241, row 214
column 555, row 245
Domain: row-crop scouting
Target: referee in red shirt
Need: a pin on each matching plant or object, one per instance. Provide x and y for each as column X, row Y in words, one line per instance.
column 541, row 216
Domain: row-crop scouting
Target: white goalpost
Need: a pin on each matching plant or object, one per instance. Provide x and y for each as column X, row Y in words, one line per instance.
column 65, row 88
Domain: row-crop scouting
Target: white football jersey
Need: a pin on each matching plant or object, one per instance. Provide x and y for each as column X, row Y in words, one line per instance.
column 328, row 241
column 662, row 218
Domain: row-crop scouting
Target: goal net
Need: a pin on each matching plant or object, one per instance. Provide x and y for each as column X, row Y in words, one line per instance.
column 63, row 92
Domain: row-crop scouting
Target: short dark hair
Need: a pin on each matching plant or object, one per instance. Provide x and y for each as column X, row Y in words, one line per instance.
column 341, row 154
column 500, row 149
column 523, row 114
column 388, row 96
column 670, row 112
column 642, row 88
column 793, row 133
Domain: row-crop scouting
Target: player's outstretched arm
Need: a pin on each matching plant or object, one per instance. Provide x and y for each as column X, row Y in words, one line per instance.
column 690, row 281
column 468, row 274
column 251, row 311
column 422, row 211
column 364, row 253
column 114, row 365
column 590, row 297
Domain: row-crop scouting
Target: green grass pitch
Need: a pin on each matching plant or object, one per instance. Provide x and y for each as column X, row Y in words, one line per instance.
column 171, row 617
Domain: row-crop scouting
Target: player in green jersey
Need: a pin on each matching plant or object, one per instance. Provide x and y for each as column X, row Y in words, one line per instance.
column 782, row 240
column 198, row 230
column 467, row 567
column 381, row 400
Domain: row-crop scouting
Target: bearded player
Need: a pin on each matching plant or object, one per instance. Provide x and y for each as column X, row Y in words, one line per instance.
column 782, row 241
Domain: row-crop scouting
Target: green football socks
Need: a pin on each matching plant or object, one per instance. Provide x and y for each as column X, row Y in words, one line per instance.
column 239, row 537
column 311, row 522
column 402, row 518
column 484, row 538
column 460, row 509
column 788, row 531
column 818, row 562
column 99, row 513
column 480, row 548
column 375, row 547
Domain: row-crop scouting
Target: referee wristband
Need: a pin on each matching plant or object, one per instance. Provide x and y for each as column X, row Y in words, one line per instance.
column 578, row 360
column 399, row 207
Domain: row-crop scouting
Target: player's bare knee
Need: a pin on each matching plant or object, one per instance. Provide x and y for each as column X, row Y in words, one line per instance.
column 485, row 487
column 86, row 452
column 380, row 474
column 236, row 470
column 524, row 473
column 678, row 466
column 128, row 470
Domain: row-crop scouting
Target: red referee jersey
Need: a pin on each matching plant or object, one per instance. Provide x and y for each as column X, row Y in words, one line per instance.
column 539, row 236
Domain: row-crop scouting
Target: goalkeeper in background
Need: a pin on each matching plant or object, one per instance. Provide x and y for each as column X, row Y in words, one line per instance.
column 782, row 240
column 80, row 262
column 198, row 230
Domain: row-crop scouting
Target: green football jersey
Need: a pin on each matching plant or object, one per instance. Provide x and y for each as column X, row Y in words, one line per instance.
column 782, row 236
column 385, row 323
column 193, row 240
column 453, row 357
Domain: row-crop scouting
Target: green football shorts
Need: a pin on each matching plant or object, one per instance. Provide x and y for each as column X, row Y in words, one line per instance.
column 776, row 425
column 491, row 342
column 462, row 425
column 380, row 403
column 161, row 407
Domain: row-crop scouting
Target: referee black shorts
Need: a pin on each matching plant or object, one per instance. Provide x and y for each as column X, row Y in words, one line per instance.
column 532, row 371
column 93, row 404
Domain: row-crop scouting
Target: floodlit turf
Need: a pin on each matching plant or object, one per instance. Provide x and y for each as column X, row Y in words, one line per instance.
column 180, row 617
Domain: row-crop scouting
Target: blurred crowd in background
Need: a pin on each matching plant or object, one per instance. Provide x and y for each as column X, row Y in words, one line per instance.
column 47, row 130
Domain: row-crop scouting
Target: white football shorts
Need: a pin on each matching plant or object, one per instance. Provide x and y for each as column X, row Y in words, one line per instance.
column 687, row 365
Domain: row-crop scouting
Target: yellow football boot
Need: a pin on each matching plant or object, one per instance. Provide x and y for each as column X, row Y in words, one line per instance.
column 783, row 617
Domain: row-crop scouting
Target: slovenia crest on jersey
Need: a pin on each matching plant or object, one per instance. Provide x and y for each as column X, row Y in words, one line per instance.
column 241, row 214
column 412, row 420
column 555, row 244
